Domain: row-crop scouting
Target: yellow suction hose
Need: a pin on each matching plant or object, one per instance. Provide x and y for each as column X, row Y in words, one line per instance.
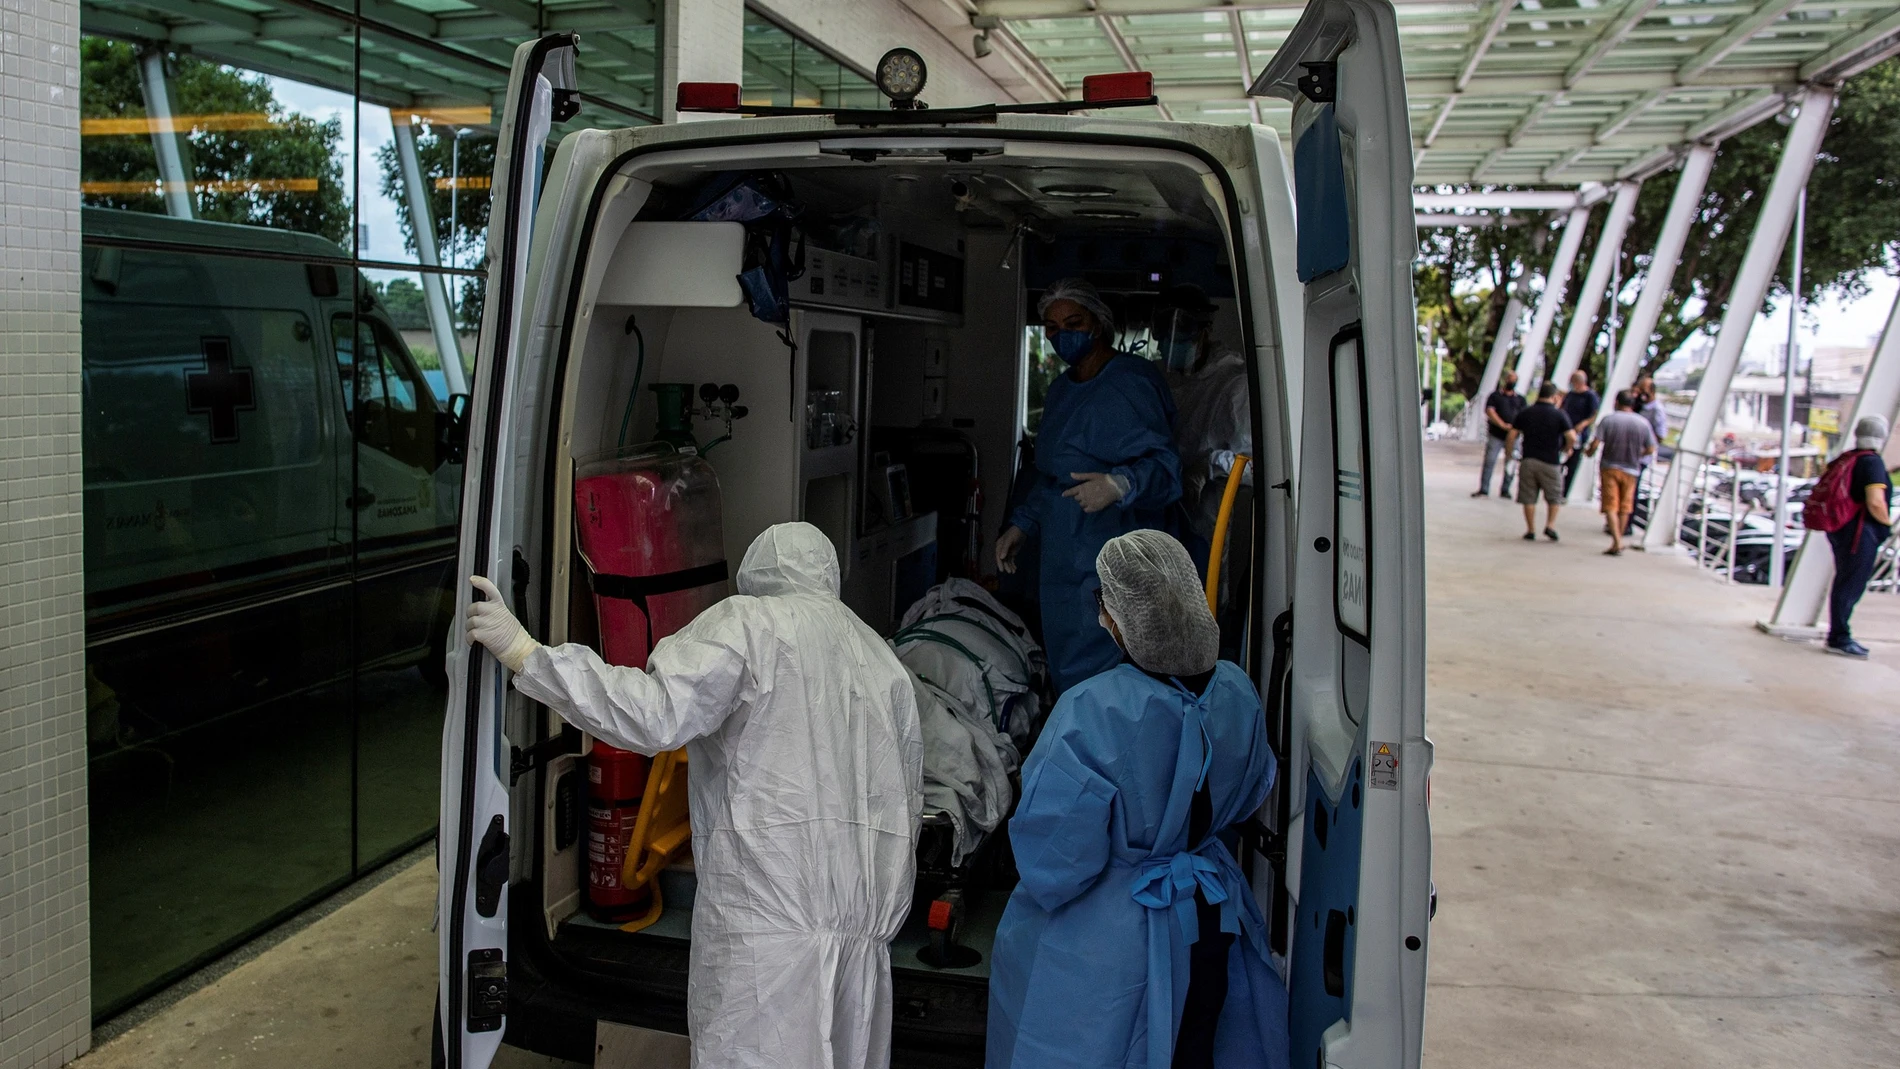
column 1219, row 547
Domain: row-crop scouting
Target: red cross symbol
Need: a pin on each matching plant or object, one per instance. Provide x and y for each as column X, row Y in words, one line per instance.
column 220, row 389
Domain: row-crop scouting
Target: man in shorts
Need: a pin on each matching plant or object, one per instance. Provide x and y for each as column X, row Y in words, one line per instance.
column 1547, row 435
column 1626, row 441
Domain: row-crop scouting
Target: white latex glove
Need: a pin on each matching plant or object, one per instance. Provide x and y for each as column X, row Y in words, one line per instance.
column 1221, row 461
column 491, row 624
column 1095, row 491
column 1007, row 544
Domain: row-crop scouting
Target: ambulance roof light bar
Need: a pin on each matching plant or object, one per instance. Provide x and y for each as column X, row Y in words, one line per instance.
column 1124, row 89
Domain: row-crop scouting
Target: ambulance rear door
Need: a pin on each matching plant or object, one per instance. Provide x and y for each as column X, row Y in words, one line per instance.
column 473, row 834
column 1358, row 866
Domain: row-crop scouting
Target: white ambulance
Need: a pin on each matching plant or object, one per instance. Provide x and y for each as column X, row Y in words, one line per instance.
column 925, row 235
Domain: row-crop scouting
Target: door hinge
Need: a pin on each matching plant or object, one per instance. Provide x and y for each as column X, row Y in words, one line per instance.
column 567, row 104
column 1320, row 83
column 521, row 762
column 487, row 990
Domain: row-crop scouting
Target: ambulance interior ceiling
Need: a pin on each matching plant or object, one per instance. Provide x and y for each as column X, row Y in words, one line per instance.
column 1016, row 224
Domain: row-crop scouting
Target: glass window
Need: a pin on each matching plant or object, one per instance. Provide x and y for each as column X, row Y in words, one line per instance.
column 285, row 222
column 1351, row 556
column 783, row 69
column 175, row 134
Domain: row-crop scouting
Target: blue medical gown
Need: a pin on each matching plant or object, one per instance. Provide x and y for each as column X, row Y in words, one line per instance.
column 1091, row 958
column 1121, row 422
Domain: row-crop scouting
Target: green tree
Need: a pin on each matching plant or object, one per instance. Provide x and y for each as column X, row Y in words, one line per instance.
column 241, row 172
column 1854, row 230
column 404, row 301
column 473, row 167
column 1462, row 285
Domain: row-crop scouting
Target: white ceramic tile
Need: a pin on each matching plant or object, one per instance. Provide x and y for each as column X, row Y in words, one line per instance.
column 45, row 998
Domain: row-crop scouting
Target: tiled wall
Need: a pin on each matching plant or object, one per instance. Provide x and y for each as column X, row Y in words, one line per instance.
column 45, row 1000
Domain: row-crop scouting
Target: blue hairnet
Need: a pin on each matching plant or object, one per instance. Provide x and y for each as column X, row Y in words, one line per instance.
column 1082, row 292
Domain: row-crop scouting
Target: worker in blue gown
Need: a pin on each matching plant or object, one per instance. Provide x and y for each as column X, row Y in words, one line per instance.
column 1133, row 939
column 1105, row 464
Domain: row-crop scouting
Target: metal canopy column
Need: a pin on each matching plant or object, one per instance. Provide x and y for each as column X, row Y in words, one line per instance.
column 435, row 294
column 1475, row 421
column 1804, row 597
column 1751, row 287
column 1583, row 321
column 1662, row 271
column 158, row 112
column 1556, row 282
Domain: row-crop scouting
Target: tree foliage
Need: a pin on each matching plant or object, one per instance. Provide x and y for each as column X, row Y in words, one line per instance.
column 1853, row 229
column 233, row 170
column 405, row 303
column 473, row 167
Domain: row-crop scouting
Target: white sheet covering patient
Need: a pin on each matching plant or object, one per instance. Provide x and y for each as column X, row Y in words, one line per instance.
column 807, row 762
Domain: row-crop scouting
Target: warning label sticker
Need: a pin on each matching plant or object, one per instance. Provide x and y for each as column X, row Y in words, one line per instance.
column 1383, row 766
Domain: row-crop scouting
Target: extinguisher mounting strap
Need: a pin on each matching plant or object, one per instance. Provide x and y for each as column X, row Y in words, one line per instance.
column 638, row 588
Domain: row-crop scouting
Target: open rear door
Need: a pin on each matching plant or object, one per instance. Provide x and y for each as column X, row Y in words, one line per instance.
column 472, row 837
column 1359, row 849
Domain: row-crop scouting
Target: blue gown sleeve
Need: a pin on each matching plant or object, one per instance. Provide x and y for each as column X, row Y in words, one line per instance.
column 1060, row 830
column 1153, row 469
column 1028, row 515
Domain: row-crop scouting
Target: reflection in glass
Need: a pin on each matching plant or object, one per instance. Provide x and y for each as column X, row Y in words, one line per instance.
column 217, row 600
column 783, row 69
column 234, row 151
column 403, row 506
column 271, row 497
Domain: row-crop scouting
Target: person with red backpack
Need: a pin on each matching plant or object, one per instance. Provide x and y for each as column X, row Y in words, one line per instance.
column 1851, row 504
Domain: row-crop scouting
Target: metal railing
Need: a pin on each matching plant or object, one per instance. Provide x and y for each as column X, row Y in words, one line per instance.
column 1698, row 488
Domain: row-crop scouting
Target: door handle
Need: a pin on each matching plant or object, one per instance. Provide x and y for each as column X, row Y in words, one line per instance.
column 361, row 499
column 1333, row 955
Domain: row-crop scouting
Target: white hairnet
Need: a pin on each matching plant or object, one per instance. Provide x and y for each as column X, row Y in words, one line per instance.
column 1082, row 292
column 789, row 558
column 1153, row 593
column 1870, row 433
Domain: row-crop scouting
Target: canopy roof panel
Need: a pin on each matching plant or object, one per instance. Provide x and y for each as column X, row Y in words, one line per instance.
column 1526, row 92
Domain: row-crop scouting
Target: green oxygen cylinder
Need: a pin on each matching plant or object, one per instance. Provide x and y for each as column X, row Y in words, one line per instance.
column 675, row 416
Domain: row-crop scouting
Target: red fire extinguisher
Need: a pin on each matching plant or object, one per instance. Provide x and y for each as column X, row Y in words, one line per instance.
column 616, row 781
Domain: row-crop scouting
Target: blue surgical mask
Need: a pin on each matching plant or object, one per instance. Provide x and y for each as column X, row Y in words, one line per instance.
column 1073, row 345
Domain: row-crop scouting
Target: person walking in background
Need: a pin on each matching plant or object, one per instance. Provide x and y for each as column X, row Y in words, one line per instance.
column 1546, row 433
column 1627, row 442
column 1499, row 410
column 1581, row 404
column 1650, row 408
column 1856, row 543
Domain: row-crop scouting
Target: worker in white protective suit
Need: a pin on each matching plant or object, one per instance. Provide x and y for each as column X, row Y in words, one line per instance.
column 1213, row 422
column 807, row 771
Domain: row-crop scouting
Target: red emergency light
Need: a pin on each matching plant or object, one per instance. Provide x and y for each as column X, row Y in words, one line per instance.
column 1112, row 88
column 707, row 96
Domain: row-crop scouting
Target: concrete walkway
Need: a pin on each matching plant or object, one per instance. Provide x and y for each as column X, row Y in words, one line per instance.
column 354, row 990
column 1662, row 838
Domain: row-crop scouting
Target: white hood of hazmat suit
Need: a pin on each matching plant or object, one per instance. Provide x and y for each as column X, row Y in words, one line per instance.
column 805, row 783
column 1212, row 418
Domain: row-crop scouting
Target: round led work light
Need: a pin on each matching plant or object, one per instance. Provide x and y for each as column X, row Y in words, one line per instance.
column 900, row 76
